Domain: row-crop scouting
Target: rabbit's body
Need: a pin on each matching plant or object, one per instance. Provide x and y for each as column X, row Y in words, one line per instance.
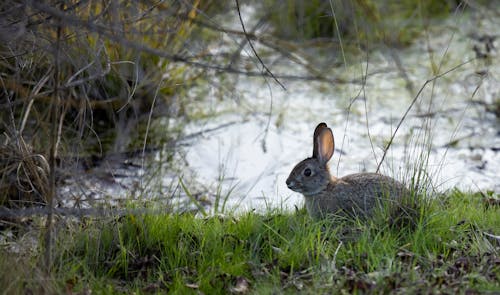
column 356, row 194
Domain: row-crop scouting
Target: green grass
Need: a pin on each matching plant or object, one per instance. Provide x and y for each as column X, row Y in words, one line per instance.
column 277, row 252
column 395, row 23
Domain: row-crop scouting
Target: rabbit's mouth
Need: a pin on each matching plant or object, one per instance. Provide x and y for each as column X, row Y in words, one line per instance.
column 293, row 185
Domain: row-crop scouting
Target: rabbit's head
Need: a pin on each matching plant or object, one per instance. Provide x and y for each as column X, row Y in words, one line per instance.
column 312, row 176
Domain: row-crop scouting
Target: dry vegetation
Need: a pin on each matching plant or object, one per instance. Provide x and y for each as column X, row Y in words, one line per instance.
column 80, row 80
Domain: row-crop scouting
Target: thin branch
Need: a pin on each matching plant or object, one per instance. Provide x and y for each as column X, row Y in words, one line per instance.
column 74, row 21
column 49, row 197
column 253, row 49
column 413, row 103
column 70, row 83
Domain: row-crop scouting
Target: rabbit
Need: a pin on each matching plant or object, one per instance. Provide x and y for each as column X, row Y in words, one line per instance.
column 353, row 195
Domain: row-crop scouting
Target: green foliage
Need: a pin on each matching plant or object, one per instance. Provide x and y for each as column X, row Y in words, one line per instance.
column 365, row 21
column 278, row 251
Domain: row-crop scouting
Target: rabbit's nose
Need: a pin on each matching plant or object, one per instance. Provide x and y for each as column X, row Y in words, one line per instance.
column 290, row 183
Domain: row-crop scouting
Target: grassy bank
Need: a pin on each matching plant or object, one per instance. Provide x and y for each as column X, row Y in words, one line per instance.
column 449, row 250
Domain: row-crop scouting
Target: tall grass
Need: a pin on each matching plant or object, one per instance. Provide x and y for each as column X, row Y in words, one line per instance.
column 448, row 250
column 77, row 82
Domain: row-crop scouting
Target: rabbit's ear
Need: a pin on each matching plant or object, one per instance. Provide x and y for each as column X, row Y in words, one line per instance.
column 326, row 145
column 317, row 131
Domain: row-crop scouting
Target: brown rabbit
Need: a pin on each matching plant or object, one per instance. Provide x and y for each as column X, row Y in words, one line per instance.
column 355, row 195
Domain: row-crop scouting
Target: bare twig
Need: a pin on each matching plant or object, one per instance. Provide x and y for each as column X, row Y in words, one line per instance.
column 411, row 106
column 54, row 139
column 253, row 49
column 74, row 21
column 205, row 131
column 70, row 83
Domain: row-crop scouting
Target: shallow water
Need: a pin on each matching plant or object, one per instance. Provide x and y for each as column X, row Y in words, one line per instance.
column 255, row 132
column 449, row 120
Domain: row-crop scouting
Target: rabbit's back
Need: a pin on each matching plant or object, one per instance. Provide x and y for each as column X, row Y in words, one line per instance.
column 356, row 194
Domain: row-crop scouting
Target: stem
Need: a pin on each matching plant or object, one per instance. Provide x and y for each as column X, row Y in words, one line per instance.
column 53, row 154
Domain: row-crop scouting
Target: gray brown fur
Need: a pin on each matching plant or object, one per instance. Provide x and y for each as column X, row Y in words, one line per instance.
column 356, row 194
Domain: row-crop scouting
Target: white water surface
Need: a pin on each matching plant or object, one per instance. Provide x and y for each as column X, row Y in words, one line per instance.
column 272, row 128
column 254, row 132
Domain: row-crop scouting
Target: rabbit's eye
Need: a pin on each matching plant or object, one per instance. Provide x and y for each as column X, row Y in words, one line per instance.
column 307, row 172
